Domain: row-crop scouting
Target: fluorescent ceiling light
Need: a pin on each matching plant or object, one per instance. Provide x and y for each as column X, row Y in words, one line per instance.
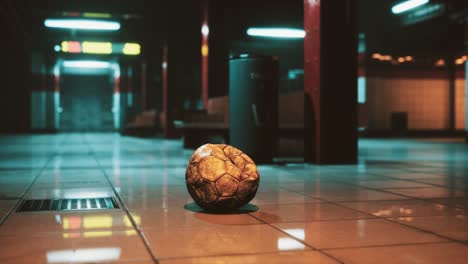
column 276, row 32
column 408, row 5
column 86, row 64
column 84, row 24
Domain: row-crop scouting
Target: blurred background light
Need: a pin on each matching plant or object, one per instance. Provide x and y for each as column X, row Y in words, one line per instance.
column 276, row 32
column 83, row 24
column 205, row 30
column 131, row 49
column 97, row 47
column 86, row 64
column 407, row 5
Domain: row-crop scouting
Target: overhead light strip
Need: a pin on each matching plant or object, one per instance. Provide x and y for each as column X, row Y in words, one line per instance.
column 82, row 24
column 408, row 5
column 282, row 33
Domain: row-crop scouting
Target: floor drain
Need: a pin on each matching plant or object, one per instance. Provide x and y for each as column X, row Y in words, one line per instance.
column 105, row 203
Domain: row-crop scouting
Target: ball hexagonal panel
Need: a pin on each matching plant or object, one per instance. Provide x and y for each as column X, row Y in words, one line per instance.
column 221, row 177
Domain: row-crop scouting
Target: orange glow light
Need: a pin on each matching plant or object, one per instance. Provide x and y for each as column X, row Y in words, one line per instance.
column 440, row 63
column 74, row 47
column 204, row 50
column 376, row 56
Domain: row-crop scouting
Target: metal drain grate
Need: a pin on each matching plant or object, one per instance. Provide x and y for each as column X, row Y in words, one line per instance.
column 68, row 204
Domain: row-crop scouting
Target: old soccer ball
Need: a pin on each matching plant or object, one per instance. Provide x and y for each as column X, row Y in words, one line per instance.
column 221, row 178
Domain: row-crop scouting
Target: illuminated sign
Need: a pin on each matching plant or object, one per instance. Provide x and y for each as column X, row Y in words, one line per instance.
column 97, row 47
column 94, row 47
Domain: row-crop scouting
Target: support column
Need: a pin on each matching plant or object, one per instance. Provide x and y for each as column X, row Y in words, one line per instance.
column 466, row 85
column 330, row 67
column 218, row 59
column 452, row 78
column 466, row 101
column 205, row 48
column 143, row 86
column 183, row 61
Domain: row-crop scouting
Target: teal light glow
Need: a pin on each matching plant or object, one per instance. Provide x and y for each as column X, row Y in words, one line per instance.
column 362, row 90
column 285, row 33
column 407, row 5
column 86, row 64
column 82, row 24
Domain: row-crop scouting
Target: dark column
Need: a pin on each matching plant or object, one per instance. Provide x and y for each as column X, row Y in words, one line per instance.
column 143, row 85
column 330, row 56
column 452, row 77
column 218, row 51
column 466, row 100
column 205, row 49
column 183, row 59
column 466, row 85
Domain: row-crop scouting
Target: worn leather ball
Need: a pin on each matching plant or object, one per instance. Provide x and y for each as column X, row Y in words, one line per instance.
column 221, row 177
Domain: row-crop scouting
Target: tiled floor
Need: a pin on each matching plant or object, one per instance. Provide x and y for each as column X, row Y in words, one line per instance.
column 405, row 202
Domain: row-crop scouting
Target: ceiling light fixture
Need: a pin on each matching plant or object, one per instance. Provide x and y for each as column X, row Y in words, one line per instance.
column 407, row 5
column 285, row 33
column 82, row 24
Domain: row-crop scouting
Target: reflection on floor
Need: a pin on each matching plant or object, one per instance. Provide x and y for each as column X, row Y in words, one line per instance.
column 405, row 202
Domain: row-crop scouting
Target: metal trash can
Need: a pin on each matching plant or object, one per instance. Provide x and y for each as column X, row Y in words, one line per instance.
column 253, row 106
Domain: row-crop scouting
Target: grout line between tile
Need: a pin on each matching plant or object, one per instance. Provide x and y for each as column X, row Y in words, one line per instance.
column 399, row 223
column 125, row 208
column 21, row 198
column 298, row 240
column 236, row 254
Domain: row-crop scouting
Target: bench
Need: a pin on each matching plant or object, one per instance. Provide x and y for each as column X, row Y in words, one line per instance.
column 212, row 125
column 143, row 125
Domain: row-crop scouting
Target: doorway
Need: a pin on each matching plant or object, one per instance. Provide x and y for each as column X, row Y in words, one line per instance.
column 86, row 102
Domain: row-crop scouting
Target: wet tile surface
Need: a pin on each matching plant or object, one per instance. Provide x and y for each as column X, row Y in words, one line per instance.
column 405, row 202
column 423, row 253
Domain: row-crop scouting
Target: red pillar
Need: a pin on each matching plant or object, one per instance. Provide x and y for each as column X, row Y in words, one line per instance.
column 205, row 30
column 330, row 67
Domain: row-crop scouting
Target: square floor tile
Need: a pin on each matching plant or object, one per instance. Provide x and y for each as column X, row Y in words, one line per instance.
column 171, row 219
column 423, row 253
column 219, row 240
column 355, row 233
column 296, row 257
column 356, row 194
column 281, row 197
column 89, row 247
column 37, row 223
column 378, row 184
column 280, row 213
column 401, row 208
column 453, row 226
column 434, row 192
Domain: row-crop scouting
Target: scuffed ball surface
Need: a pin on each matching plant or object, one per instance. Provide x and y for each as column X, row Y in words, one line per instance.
column 221, row 177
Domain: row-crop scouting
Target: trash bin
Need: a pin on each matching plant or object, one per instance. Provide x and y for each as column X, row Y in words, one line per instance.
column 253, row 106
